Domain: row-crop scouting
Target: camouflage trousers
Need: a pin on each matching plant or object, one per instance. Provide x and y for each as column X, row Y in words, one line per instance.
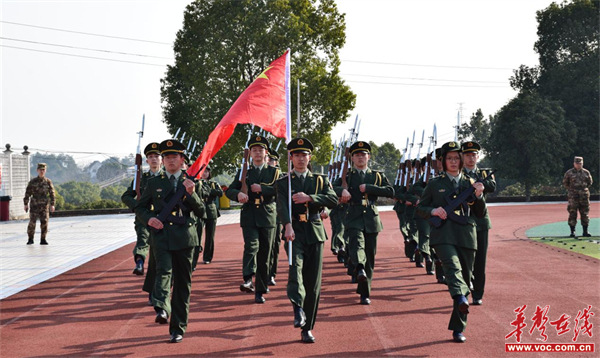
column 43, row 215
column 579, row 200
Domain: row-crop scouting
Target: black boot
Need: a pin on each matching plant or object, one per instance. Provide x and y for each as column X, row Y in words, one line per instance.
column 418, row 258
column 43, row 241
column 30, row 241
column 585, row 232
column 572, row 231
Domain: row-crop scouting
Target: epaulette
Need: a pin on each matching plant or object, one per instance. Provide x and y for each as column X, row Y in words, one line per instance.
column 283, row 177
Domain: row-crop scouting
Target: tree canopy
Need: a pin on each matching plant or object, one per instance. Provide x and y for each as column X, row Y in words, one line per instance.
column 224, row 45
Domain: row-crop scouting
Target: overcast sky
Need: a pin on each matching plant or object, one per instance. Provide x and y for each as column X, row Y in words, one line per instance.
column 410, row 64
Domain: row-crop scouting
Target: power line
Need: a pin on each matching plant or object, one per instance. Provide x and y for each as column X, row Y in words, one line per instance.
column 440, row 66
column 419, row 79
column 84, row 48
column 90, row 57
column 422, row 84
column 84, row 33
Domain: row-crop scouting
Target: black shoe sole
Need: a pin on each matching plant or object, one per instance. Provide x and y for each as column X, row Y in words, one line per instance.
column 138, row 273
column 246, row 289
column 161, row 320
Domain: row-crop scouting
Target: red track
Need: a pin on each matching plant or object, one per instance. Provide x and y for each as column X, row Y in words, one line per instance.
column 99, row 308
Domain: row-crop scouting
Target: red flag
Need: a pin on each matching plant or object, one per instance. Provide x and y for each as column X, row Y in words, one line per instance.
column 263, row 104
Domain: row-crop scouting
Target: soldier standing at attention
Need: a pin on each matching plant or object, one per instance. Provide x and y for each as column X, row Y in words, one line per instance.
column 41, row 192
column 470, row 152
column 174, row 240
column 274, row 162
column 310, row 194
column 257, row 218
column 577, row 180
column 141, row 251
column 212, row 213
column 362, row 219
column 455, row 243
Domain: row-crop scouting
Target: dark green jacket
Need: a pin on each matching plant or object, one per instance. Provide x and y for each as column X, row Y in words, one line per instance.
column 359, row 216
column 399, row 205
column 450, row 232
column 129, row 196
column 322, row 194
column 214, row 192
column 490, row 186
column 260, row 210
column 172, row 236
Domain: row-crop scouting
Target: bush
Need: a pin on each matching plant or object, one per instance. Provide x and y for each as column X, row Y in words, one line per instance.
column 102, row 204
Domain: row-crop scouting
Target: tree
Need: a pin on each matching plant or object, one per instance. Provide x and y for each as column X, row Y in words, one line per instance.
column 60, row 168
column 110, row 168
column 478, row 129
column 569, row 72
column 385, row 158
column 112, row 192
column 527, row 139
column 78, row 193
column 224, row 45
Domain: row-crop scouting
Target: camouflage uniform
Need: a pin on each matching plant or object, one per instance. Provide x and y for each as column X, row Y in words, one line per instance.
column 577, row 183
column 41, row 192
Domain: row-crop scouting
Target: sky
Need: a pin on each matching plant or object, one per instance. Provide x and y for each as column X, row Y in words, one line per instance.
column 412, row 64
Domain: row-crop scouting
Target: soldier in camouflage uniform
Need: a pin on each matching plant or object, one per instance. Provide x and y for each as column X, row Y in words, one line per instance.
column 41, row 192
column 577, row 181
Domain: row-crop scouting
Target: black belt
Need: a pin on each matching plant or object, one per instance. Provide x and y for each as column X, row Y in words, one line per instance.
column 366, row 203
column 306, row 218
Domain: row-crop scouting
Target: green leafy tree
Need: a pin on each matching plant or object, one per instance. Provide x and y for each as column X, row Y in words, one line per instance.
column 477, row 129
column 528, row 136
column 61, row 168
column 110, row 168
column 569, row 72
column 112, row 192
column 224, row 45
column 78, row 193
column 103, row 204
column 385, row 158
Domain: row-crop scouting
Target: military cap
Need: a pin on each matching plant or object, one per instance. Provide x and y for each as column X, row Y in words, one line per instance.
column 42, row 166
column 359, row 147
column 302, row 145
column 438, row 153
column 152, row 148
column 450, row 147
column 171, row 146
column 423, row 160
column 258, row 140
column 273, row 155
column 471, row 146
column 578, row 160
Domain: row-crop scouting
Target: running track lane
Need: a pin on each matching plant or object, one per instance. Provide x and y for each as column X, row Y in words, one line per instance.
column 99, row 308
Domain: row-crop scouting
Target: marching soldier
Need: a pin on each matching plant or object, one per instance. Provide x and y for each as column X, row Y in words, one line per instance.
column 212, row 213
column 455, row 243
column 310, row 194
column 577, row 180
column 41, row 192
column 423, row 226
column 338, row 244
column 203, row 192
column 470, row 152
column 174, row 240
column 410, row 202
column 439, row 271
column 140, row 251
column 257, row 218
column 274, row 162
column 362, row 220
column 399, row 207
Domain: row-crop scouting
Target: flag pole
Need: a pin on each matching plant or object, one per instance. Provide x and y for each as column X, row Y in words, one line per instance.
column 288, row 135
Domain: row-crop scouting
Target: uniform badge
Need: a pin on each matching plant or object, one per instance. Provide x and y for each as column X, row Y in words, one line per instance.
column 169, row 144
column 361, row 144
column 442, row 190
column 158, row 190
column 451, row 145
column 258, row 138
column 154, row 146
column 300, row 142
column 470, row 144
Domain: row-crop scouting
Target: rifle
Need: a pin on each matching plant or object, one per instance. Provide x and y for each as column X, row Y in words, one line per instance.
column 417, row 167
column 176, row 200
column 460, row 199
column 245, row 163
column 427, row 171
column 330, row 167
column 400, row 172
column 138, row 162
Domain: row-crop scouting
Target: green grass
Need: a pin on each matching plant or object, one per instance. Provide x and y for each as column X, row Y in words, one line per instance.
column 589, row 246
